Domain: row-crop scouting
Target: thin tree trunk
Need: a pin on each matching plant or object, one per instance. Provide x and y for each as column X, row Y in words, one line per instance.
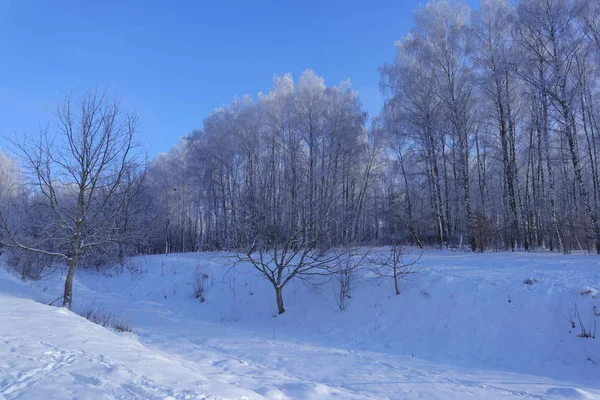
column 396, row 285
column 68, row 293
column 279, row 296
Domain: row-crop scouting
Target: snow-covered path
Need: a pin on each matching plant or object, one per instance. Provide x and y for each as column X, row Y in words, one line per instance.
column 468, row 340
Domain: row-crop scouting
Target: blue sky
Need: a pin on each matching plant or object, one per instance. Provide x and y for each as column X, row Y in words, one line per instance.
column 176, row 61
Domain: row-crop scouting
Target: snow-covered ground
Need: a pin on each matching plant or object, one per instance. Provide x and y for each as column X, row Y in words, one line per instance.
column 495, row 325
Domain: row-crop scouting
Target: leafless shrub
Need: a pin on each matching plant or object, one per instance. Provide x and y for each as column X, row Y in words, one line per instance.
column 28, row 264
column 102, row 318
column 586, row 332
column 346, row 278
column 198, row 288
column 571, row 320
column 575, row 318
column 134, row 266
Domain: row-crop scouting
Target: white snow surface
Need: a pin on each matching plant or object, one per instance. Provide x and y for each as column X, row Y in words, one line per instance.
column 468, row 326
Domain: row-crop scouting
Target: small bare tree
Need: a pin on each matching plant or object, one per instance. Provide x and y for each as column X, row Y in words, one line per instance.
column 78, row 174
column 396, row 265
column 292, row 258
column 347, row 279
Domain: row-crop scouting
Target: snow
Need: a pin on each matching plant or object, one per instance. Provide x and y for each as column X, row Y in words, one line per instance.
column 49, row 352
column 589, row 291
column 494, row 325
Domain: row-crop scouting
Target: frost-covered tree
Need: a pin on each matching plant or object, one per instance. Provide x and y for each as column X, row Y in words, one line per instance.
column 497, row 109
column 76, row 172
column 301, row 151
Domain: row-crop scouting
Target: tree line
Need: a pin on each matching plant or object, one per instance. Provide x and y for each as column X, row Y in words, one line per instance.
column 493, row 115
column 488, row 139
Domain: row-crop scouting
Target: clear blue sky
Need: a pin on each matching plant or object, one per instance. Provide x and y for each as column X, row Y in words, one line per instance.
column 176, row 61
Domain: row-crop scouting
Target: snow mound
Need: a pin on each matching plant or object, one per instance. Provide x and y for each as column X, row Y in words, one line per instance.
column 589, row 291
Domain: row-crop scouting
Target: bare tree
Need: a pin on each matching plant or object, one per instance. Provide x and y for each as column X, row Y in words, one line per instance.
column 396, row 265
column 78, row 174
column 492, row 27
column 415, row 104
column 281, row 261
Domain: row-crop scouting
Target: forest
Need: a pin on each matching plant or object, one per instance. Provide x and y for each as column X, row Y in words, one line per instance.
column 488, row 140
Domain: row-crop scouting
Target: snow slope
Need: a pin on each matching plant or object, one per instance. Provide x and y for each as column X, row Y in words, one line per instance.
column 490, row 326
column 51, row 353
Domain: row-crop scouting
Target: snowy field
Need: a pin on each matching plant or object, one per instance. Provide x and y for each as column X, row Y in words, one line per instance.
column 493, row 326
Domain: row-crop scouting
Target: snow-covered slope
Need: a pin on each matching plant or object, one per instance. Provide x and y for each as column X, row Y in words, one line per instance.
column 51, row 353
column 471, row 326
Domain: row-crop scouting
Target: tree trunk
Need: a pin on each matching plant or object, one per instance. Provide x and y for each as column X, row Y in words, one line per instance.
column 68, row 294
column 546, row 139
column 279, row 295
column 435, row 180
